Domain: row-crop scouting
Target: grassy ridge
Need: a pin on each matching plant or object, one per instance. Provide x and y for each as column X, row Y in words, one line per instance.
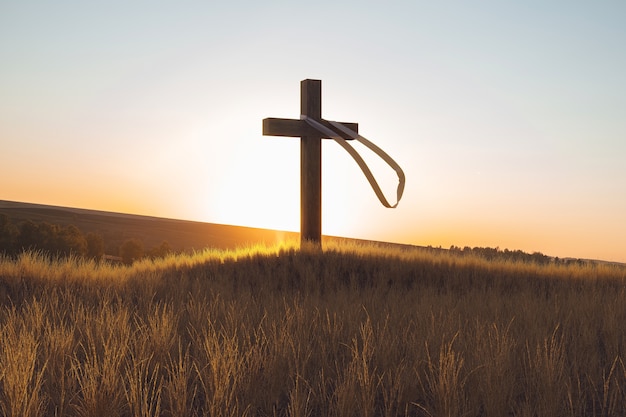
column 353, row 331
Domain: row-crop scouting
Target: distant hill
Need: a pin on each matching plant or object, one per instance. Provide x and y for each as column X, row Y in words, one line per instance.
column 182, row 235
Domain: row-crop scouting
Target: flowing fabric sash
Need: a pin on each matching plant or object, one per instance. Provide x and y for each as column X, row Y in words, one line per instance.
column 355, row 155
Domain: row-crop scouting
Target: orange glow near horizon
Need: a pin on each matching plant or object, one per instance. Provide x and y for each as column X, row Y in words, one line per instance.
column 561, row 242
column 259, row 187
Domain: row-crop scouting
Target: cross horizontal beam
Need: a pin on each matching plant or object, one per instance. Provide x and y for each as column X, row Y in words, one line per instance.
column 299, row 128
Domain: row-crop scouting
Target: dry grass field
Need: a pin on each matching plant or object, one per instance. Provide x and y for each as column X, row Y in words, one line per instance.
column 355, row 330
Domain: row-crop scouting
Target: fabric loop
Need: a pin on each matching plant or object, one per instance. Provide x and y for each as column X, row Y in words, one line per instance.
column 355, row 155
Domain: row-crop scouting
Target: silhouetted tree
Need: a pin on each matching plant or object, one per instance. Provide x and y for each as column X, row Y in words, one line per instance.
column 46, row 237
column 8, row 234
column 131, row 250
column 160, row 251
column 28, row 236
column 51, row 239
column 95, row 245
column 71, row 241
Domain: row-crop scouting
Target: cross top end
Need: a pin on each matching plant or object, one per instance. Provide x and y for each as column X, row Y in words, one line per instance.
column 310, row 156
column 310, row 106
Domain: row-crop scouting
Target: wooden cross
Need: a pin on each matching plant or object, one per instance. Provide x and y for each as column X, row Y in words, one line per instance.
column 310, row 156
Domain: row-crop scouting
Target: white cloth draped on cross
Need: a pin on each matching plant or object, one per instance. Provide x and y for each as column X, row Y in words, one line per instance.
column 312, row 128
column 355, row 155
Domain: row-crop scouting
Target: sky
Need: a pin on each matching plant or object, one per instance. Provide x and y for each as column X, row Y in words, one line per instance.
column 508, row 118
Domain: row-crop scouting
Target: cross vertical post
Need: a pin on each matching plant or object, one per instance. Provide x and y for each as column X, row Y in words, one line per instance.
column 310, row 156
column 311, row 165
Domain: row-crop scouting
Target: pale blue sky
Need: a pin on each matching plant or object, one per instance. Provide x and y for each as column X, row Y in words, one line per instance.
column 508, row 118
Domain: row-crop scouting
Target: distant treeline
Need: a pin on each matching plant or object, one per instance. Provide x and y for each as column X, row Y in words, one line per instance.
column 512, row 255
column 506, row 254
column 63, row 241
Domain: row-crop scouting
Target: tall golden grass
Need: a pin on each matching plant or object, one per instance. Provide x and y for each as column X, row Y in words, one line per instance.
column 277, row 331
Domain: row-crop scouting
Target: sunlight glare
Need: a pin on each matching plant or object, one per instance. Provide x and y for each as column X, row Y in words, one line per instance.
column 261, row 186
